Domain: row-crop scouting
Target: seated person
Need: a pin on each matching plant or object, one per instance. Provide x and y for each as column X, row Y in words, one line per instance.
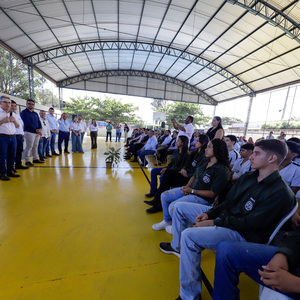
column 180, row 175
column 252, row 209
column 162, row 153
column 164, row 144
column 230, row 141
column 178, row 160
column 210, row 179
column 149, row 148
column 137, row 144
column 134, row 135
column 275, row 267
column 289, row 171
column 242, row 165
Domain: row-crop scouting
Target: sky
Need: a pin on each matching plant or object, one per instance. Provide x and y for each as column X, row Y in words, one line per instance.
column 266, row 107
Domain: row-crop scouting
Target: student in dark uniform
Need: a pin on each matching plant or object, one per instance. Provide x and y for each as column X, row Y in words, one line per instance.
column 208, row 181
column 252, row 210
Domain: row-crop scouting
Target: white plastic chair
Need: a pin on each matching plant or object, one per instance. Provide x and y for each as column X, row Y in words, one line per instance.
column 266, row 293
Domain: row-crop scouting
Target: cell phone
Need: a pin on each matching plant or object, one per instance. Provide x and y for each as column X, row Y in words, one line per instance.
column 10, row 114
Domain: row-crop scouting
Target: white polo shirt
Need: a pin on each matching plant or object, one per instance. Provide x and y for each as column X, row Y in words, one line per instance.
column 233, row 156
column 7, row 128
column 20, row 129
column 239, row 169
column 291, row 175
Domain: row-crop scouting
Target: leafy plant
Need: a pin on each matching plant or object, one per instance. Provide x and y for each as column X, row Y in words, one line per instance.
column 113, row 155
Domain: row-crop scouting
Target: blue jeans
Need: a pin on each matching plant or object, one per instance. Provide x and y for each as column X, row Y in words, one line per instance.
column 233, row 258
column 8, row 147
column 43, row 145
column 154, row 173
column 170, row 197
column 76, row 142
column 51, row 143
column 19, row 139
column 63, row 136
column 118, row 136
column 142, row 154
column 191, row 241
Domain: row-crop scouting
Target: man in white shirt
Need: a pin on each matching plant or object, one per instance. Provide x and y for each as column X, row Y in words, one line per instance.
column 83, row 127
column 230, row 141
column 45, row 137
column 8, row 142
column 187, row 129
column 53, row 128
column 19, row 138
column 149, row 148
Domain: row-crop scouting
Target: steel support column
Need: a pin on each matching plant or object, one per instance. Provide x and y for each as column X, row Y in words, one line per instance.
column 31, row 81
column 248, row 115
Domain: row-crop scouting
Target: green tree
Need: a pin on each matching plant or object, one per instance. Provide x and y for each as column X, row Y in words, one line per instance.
column 107, row 109
column 230, row 120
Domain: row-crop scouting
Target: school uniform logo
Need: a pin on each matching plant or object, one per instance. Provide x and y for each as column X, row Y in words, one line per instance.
column 206, row 178
column 194, row 163
column 249, row 204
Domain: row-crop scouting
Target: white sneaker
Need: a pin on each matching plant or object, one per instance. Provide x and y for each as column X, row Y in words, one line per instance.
column 169, row 229
column 160, row 226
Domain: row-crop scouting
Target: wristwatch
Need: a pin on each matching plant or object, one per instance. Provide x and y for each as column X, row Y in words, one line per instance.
column 193, row 191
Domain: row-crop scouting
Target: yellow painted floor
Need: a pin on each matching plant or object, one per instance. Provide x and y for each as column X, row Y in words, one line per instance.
column 71, row 229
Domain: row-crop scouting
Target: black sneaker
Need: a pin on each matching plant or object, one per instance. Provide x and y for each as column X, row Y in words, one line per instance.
column 12, row 174
column 167, row 248
column 56, row 154
column 48, row 155
column 4, row 177
column 151, row 202
column 154, row 209
column 37, row 161
column 21, row 167
column 29, row 164
column 66, row 151
column 149, row 195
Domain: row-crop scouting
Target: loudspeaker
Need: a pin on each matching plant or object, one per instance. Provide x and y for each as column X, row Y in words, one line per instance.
column 163, row 124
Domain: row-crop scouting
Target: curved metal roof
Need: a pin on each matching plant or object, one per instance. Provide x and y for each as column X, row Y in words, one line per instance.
column 195, row 51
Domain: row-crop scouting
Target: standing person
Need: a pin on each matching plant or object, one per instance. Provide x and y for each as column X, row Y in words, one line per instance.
column 19, row 138
column 187, row 129
column 63, row 133
column 270, row 136
column 94, row 133
column 216, row 131
column 118, row 132
column 53, row 128
column 126, row 130
column 108, row 131
column 76, row 139
column 32, row 132
column 45, row 137
column 83, row 127
column 8, row 142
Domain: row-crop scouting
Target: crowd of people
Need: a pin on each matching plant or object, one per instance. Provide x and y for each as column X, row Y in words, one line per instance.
column 38, row 132
column 224, row 193
column 217, row 192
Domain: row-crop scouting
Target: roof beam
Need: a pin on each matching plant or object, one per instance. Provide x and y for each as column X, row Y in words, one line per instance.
column 52, row 54
column 112, row 73
column 273, row 15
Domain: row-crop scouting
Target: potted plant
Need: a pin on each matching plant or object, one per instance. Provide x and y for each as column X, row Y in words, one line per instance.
column 113, row 157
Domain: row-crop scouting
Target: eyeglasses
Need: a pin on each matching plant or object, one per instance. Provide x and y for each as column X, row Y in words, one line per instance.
column 6, row 102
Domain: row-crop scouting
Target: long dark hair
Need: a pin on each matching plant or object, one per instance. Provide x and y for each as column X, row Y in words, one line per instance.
column 221, row 152
column 184, row 148
column 203, row 140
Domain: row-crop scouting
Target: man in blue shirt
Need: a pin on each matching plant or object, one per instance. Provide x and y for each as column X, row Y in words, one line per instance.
column 63, row 133
column 32, row 132
column 149, row 148
column 53, row 129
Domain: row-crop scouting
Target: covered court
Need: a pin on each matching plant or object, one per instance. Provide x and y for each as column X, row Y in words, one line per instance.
column 70, row 228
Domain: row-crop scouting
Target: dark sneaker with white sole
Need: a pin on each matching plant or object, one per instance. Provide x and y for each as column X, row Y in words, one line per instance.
column 167, row 248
